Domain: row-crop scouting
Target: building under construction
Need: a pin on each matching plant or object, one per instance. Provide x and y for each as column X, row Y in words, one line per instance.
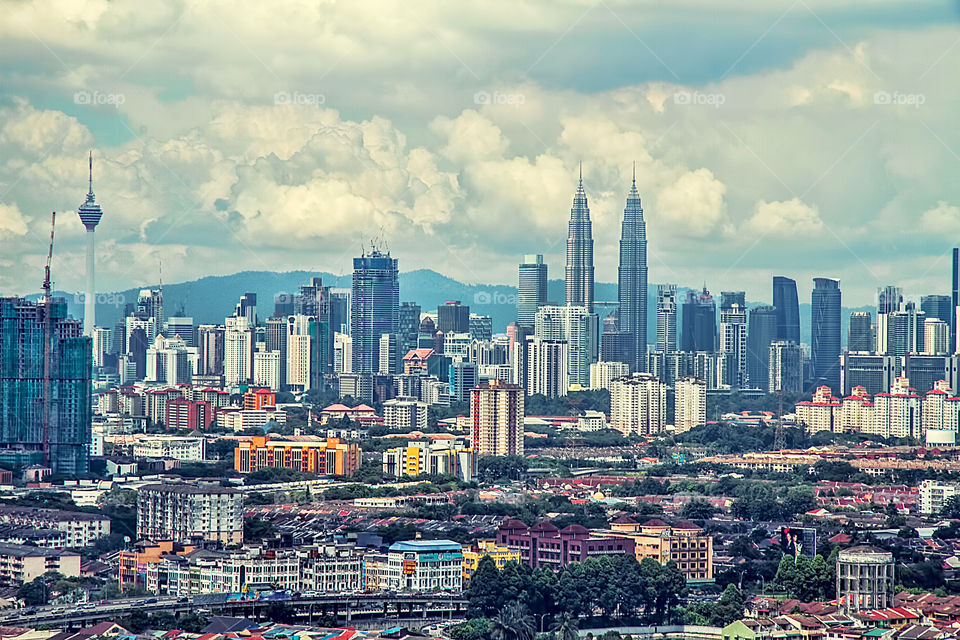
column 44, row 419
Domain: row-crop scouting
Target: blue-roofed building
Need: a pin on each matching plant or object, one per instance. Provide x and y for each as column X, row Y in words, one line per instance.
column 424, row 565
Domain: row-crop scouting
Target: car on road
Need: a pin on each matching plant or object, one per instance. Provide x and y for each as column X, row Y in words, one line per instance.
column 150, row 601
column 183, row 599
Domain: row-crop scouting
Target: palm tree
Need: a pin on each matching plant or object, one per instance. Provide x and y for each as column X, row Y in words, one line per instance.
column 565, row 628
column 512, row 623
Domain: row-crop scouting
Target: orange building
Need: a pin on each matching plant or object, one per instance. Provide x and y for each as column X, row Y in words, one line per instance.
column 132, row 569
column 259, row 399
column 329, row 456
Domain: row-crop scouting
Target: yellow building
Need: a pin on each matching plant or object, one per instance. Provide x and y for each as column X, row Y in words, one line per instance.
column 453, row 456
column 684, row 543
column 482, row 548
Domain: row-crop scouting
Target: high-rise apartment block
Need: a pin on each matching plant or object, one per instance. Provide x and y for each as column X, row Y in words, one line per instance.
column 496, row 419
column 186, row 513
column 690, row 404
column 638, row 404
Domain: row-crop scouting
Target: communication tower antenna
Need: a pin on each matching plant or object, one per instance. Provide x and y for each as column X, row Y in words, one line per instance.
column 780, row 435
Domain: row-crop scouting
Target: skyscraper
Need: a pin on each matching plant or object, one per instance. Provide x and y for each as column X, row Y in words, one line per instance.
column 632, row 281
column 237, row 351
column 764, row 325
column 690, row 404
column 576, row 327
column 531, row 289
column 955, row 297
column 375, row 308
column 150, row 305
column 24, row 399
column 733, row 335
column 453, row 317
column 579, row 272
column 860, row 334
column 904, row 330
column 247, row 308
column 889, row 301
column 667, row 318
column 496, row 419
column 409, row 327
column 90, row 214
column 825, row 332
column 788, row 309
column 699, row 322
column 937, row 306
column 786, row 367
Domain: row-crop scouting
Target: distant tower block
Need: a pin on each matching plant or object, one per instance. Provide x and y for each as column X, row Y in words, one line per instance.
column 90, row 214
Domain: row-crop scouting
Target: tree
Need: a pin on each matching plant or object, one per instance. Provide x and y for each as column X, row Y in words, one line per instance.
column 256, row 529
column 512, row 623
column 35, row 592
column 565, row 628
column 697, row 509
column 472, row 629
column 485, row 592
column 787, row 578
column 728, row 608
column 500, row 468
column 798, row 500
column 951, row 508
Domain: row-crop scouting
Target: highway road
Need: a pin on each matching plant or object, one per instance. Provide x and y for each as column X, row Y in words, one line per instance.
column 345, row 607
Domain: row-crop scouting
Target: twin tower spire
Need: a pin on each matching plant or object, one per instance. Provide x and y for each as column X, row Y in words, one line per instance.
column 632, row 276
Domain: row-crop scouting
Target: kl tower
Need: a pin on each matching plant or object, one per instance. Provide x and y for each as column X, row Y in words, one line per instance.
column 90, row 216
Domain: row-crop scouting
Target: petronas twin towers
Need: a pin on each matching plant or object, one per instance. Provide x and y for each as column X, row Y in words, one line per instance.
column 632, row 281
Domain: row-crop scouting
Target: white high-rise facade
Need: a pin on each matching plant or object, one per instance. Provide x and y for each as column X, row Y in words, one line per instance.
column 638, row 404
column 690, row 403
column 547, row 367
column 298, row 352
column 169, row 361
column 342, row 353
column 237, row 351
column 266, row 369
column 102, row 341
column 898, row 414
column 936, row 337
column 579, row 329
column 602, row 373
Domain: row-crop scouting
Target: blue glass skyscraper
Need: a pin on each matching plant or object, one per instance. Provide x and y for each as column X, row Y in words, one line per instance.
column 22, row 389
column 375, row 307
column 825, row 332
column 788, row 309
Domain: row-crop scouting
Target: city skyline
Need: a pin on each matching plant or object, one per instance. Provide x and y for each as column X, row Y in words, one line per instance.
column 473, row 172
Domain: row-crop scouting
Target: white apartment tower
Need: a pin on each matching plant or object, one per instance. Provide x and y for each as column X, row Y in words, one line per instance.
column 690, row 403
column 638, row 404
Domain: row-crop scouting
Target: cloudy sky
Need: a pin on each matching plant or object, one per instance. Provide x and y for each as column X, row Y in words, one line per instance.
column 803, row 138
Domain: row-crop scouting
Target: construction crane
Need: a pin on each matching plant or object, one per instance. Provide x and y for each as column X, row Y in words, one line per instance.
column 47, row 348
